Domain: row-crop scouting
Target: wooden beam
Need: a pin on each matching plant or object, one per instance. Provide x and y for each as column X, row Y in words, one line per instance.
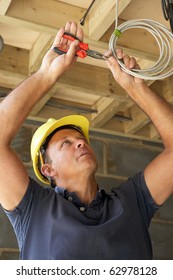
column 42, row 102
column 15, row 22
column 23, row 39
column 114, row 122
column 153, row 132
column 39, row 49
column 105, row 110
column 102, row 15
column 94, row 80
column 14, row 60
column 79, row 95
column 10, row 80
column 4, row 5
column 148, row 130
column 139, row 119
column 144, row 131
column 83, row 4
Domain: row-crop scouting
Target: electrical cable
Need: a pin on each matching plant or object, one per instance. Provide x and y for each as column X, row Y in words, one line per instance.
column 82, row 20
column 162, row 67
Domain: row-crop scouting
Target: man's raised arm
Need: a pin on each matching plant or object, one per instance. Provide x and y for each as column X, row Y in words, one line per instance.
column 16, row 107
column 158, row 173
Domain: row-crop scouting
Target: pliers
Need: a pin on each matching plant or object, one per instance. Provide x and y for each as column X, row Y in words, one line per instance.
column 83, row 48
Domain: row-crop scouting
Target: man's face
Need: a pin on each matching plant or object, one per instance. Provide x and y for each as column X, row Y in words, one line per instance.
column 71, row 155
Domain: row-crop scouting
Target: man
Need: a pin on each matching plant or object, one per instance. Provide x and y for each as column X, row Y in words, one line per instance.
column 75, row 219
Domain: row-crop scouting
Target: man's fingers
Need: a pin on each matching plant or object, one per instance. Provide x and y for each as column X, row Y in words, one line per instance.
column 73, row 29
column 133, row 62
column 80, row 34
column 129, row 62
column 119, row 53
column 58, row 38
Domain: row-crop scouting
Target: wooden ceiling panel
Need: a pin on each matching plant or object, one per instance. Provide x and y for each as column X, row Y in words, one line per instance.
column 139, row 9
column 47, row 13
column 28, row 28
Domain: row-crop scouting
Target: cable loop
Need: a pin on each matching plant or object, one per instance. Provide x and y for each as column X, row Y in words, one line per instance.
column 164, row 39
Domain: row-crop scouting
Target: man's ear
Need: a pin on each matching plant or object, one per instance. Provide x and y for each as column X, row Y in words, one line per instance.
column 47, row 170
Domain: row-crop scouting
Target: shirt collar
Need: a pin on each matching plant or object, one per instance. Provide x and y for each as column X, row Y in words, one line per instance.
column 66, row 194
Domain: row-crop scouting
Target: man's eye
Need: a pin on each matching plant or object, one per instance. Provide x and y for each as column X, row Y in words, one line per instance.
column 65, row 142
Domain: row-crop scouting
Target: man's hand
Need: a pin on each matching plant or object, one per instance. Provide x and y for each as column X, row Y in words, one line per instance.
column 125, row 80
column 54, row 65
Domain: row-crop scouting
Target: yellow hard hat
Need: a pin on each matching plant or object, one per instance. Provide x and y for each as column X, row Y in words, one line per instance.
column 41, row 134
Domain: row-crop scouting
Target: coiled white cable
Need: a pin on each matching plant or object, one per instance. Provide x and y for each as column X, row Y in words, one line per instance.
column 164, row 38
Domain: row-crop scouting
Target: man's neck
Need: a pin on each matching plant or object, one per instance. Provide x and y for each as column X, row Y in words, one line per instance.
column 85, row 189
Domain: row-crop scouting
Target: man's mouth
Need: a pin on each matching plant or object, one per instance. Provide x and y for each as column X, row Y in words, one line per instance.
column 84, row 153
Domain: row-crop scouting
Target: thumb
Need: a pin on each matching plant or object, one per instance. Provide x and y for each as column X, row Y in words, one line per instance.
column 113, row 66
column 72, row 49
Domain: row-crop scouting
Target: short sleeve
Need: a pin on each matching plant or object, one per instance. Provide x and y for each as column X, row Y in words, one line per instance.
column 20, row 216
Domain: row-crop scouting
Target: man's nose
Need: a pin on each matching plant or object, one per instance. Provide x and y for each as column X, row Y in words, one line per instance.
column 80, row 143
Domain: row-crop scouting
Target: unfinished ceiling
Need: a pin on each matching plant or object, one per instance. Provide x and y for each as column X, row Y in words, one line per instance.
column 28, row 28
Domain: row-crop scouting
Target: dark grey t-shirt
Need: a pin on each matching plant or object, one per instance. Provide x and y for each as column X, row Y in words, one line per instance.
column 54, row 224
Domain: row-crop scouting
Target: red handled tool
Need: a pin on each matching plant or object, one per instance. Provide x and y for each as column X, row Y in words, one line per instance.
column 83, row 48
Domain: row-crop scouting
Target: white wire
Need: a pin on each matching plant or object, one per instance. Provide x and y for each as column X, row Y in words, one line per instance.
column 162, row 67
